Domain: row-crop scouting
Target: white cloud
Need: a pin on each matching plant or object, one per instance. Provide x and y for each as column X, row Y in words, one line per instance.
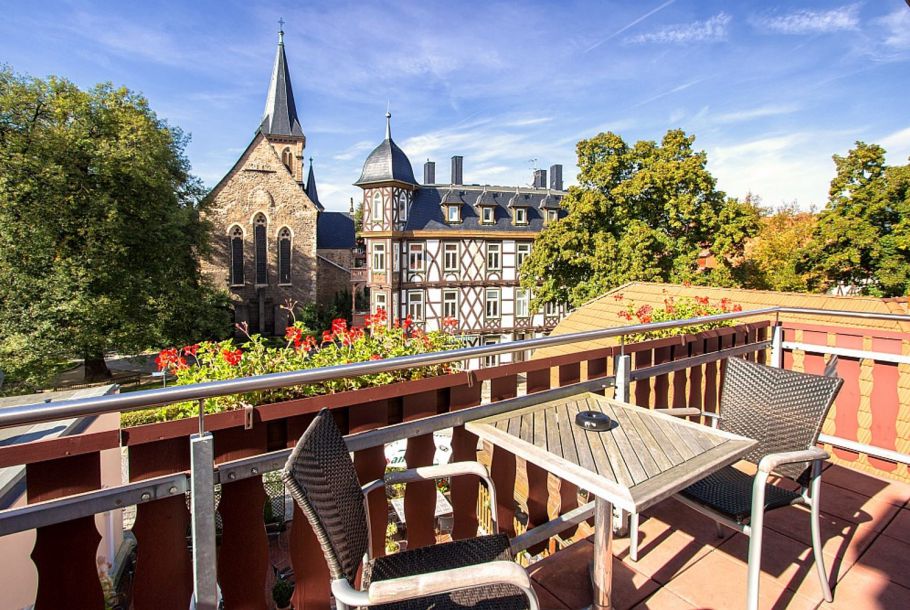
column 713, row 29
column 758, row 112
column 810, row 22
column 897, row 145
column 629, row 25
column 897, row 28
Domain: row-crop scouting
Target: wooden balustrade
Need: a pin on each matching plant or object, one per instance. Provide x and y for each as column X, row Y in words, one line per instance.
column 163, row 573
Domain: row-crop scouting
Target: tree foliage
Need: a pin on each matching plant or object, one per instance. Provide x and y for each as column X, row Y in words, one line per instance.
column 771, row 257
column 640, row 212
column 100, row 232
column 862, row 238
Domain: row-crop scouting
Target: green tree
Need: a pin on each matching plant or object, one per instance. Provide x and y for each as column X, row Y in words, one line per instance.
column 100, row 233
column 862, row 238
column 772, row 256
column 641, row 212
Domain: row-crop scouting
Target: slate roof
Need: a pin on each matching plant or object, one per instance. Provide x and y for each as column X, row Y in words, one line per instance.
column 280, row 116
column 427, row 212
column 387, row 162
column 311, row 191
column 334, row 231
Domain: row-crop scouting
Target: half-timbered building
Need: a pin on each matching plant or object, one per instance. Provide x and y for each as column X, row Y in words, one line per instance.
column 437, row 251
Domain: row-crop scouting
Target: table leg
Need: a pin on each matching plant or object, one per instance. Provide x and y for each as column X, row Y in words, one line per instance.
column 603, row 554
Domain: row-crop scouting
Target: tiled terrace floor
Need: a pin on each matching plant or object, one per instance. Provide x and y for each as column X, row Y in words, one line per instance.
column 683, row 564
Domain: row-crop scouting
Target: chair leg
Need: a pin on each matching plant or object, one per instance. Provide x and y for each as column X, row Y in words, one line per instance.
column 756, row 523
column 633, row 536
column 718, row 529
column 815, row 506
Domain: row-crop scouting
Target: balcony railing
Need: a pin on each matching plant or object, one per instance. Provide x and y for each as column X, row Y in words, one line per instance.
column 171, row 461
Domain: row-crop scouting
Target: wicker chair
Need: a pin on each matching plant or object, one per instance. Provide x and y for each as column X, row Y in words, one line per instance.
column 783, row 410
column 474, row 573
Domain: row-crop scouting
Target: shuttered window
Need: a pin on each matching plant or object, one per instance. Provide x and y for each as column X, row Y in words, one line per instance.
column 236, row 256
column 284, row 256
column 262, row 276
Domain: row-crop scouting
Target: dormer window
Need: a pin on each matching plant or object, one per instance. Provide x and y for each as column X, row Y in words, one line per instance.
column 520, row 216
column 453, row 213
column 376, row 207
column 552, row 216
column 488, row 216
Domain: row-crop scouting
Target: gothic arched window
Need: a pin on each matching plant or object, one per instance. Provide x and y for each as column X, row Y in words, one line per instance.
column 402, row 207
column 376, row 207
column 284, row 256
column 286, row 158
column 261, row 251
column 236, row 236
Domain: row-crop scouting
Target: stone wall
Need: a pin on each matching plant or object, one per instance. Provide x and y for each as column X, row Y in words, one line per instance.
column 260, row 183
column 333, row 280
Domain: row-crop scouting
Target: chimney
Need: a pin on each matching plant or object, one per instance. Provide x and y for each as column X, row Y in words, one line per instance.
column 429, row 172
column 457, row 169
column 556, row 177
column 540, row 178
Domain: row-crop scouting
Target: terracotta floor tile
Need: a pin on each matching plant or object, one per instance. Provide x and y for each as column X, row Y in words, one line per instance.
column 863, row 589
column 867, row 485
column 786, row 561
column 719, row 581
column 855, row 507
column 546, row 599
column 672, row 536
column 840, row 538
column 887, row 556
column 665, row 600
column 566, row 576
column 900, row 526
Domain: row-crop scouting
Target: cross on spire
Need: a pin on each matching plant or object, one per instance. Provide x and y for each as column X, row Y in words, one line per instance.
column 281, row 31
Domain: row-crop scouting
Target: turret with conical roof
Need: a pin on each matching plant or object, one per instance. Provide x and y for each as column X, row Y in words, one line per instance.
column 311, row 191
column 387, row 162
column 280, row 116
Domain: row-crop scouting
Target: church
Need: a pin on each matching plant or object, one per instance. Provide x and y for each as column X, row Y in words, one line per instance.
column 272, row 240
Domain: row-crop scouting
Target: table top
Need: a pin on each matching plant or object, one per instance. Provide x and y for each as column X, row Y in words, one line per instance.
column 642, row 459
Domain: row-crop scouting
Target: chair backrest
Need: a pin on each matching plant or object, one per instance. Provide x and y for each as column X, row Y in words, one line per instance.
column 783, row 410
column 320, row 476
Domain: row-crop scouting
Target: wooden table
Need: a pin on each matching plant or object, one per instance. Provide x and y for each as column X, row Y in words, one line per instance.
column 642, row 459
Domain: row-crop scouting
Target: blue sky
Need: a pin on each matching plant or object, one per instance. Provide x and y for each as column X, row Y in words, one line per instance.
column 771, row 90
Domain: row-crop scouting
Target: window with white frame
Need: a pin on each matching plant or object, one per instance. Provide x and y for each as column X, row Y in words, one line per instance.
column 450, row 304
column 494, row 257
column 378, row 257
column 396, row 256
column 552, row 215
column 520, row 216
column 415, row 305
column 376, row 207
column 402, row 206
column 522, row 251
column 551, row 308
column 450, row 257
column 488, row 216
column 415, row 257
column 494, row 359
column 522, row 302
column 379, row 302
column 453, row 213
column 492, row 303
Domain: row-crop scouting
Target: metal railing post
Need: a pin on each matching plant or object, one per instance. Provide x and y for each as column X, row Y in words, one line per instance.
column 777, row 346
column 202, row 479
column 623, row 377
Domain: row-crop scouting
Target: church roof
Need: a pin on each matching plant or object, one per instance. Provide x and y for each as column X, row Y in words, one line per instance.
column 280, row 116
column 311, row 191
column 334, row 231
column 387, row 162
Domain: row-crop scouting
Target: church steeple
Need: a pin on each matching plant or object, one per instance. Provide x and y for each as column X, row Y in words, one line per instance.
column 311, row 188
column 280, row 116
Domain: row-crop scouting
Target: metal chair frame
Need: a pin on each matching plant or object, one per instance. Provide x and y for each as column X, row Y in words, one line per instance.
column 809, row 495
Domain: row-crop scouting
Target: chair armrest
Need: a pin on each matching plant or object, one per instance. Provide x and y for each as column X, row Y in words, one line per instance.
column 773, row 460
column 679, row 411
column 436, row 583
column 429, row 473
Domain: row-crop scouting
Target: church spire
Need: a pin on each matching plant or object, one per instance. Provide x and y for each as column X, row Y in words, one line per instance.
column 280, row 116
column 311, row 188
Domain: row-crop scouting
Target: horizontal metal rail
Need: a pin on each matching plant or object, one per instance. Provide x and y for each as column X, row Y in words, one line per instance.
column 877, row 452
column 64, row 409
column 860, row 354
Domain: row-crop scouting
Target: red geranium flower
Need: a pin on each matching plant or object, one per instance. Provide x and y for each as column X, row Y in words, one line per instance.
column 166, row 358
column 190, row 350
column 232, row 357
column 339, row 325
